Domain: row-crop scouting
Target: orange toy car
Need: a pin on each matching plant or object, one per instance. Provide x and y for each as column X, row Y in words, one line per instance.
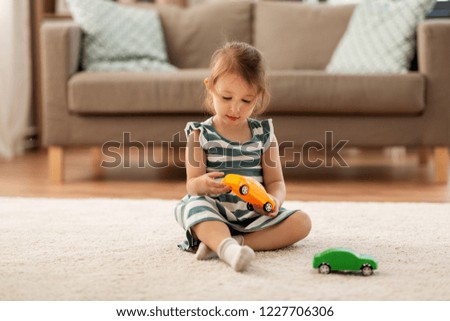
column 250, row 190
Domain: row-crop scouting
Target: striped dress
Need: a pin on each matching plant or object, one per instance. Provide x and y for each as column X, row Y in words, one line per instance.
column 229, row 157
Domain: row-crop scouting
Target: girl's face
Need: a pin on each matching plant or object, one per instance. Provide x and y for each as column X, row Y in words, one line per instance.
column 233, row 99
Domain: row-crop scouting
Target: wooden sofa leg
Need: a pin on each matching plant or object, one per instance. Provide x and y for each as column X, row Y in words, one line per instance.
column 441, row 164
column 97, row 158
column 56, row 164
column 423, row 154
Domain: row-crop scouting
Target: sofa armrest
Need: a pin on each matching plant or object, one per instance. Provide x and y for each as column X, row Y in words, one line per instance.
column 433, row 46
column 433, row 42
column 60, row 48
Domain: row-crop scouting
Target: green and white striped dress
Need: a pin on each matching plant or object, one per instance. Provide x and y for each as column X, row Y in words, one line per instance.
column 229, row 157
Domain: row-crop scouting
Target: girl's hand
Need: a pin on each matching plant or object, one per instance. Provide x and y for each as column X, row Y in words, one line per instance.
column 211, row 186
column 274, row 213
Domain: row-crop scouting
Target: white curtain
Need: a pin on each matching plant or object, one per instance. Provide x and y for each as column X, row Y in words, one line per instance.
column 15, row 75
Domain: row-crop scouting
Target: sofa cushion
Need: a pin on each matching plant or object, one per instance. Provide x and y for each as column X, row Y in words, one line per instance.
column 322, row 93
column 137, row 93
column 183, row 92
column 380, row 37
column 117, row 37
column 298, row 35
column 193, row 34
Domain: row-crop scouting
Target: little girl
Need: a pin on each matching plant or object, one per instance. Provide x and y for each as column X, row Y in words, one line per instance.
column 216, row 221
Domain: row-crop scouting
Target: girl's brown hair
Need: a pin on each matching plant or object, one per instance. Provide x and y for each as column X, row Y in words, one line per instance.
column 244, row 60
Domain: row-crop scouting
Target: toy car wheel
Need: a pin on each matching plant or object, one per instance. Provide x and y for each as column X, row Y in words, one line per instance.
column 249, row 207
column 268, row 207
column 324, row 268
column 243, row 190
column 366, row 270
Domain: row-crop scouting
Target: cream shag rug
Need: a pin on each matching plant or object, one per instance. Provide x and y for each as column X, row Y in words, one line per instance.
column 112, row 249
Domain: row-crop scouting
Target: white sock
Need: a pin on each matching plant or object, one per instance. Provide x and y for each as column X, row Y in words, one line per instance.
column 237, row 256
column 205, row 253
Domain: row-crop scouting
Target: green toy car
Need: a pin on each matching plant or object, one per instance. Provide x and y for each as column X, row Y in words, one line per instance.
column 342, row 259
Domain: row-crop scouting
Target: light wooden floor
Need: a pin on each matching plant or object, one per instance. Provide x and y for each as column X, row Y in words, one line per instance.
column 373, row 175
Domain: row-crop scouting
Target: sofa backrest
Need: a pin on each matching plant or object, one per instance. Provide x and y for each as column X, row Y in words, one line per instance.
column 294, row 35
column 291, row 35
column 193, row 34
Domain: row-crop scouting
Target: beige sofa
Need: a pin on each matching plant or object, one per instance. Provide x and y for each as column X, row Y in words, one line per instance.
column 298, row 40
